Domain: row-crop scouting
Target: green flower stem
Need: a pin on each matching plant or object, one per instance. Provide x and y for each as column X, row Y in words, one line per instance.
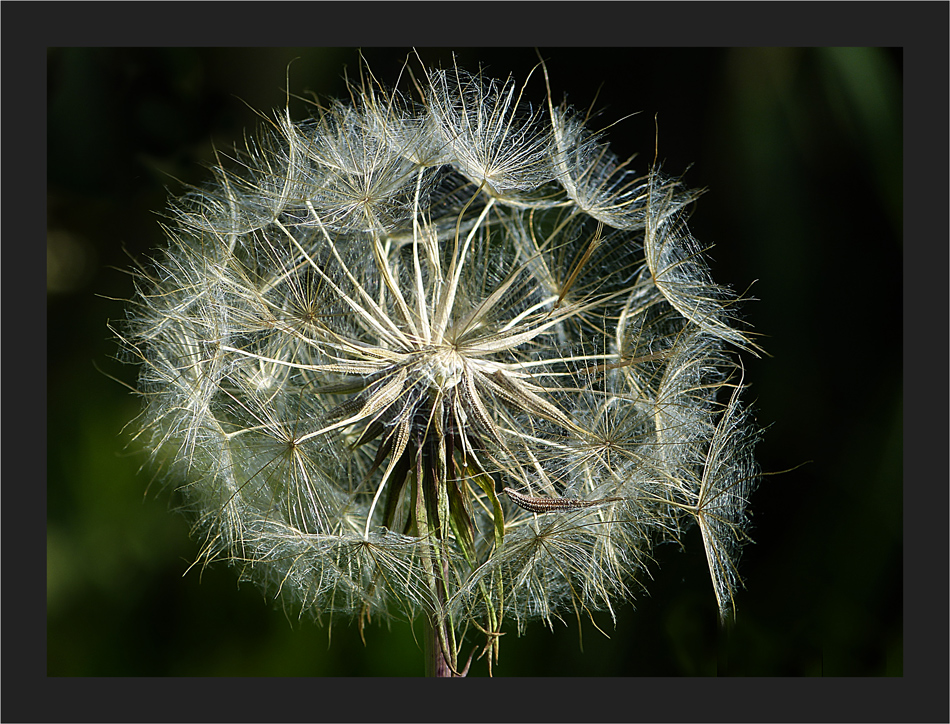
column 436, row 664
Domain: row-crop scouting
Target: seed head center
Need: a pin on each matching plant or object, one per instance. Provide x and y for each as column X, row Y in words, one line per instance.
column 443, row 368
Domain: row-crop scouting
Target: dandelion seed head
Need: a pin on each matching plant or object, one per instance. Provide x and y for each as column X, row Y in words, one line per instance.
column 376, row 321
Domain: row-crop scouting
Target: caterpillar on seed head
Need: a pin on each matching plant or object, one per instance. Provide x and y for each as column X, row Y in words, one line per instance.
column 546, row 505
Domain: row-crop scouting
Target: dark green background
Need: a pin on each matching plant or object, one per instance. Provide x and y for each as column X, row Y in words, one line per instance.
column 801, row 152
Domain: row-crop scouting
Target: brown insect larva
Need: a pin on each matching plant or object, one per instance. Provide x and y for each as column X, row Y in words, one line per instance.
column 546, row 505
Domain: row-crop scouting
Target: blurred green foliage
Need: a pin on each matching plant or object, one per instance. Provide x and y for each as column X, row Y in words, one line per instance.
column 801, row 152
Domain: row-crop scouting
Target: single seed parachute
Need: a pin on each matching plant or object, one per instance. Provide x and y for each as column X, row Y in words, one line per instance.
column 444, row 357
